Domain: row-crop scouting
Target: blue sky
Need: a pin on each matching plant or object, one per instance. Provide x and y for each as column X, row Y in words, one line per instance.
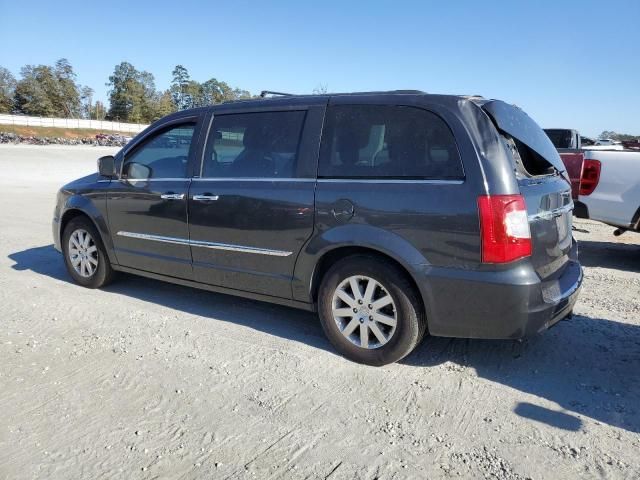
column 568, row 64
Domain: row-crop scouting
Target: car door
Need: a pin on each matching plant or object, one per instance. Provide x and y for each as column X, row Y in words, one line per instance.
column 252, row 208
column 147, row 205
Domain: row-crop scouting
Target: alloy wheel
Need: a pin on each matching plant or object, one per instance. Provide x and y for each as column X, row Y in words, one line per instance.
column 364, row 311
column 83, row 253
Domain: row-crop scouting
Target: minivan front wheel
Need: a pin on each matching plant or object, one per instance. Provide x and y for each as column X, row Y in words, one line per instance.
column 370, row 311
column 84, row 254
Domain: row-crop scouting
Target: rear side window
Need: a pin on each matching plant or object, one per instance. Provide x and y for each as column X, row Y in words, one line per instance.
column 253, row 145
column 379, row 141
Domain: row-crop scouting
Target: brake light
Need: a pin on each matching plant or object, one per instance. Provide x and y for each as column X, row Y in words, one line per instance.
column 504, row 228
column 590, row 176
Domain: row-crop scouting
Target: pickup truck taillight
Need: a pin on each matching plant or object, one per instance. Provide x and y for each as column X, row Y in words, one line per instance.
column 590, row 176
column 504, row 228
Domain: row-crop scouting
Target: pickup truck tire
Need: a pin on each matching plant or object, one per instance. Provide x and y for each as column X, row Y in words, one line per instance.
column 84, row 254
column 370, row 310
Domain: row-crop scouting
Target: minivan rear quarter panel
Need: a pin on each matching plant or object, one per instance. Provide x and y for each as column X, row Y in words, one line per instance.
column 434, row 221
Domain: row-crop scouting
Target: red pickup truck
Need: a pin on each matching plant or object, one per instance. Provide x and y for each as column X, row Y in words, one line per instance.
column 569, row 145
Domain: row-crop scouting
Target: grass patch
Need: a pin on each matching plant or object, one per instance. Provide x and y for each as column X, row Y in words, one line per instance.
column 58, row 132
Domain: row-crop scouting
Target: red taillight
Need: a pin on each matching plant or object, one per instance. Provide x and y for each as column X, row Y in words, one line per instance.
column 590, row 176
column 504, row 228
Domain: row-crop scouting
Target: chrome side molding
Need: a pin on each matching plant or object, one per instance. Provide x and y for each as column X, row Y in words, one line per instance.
column 203, row 244
column 393, row 180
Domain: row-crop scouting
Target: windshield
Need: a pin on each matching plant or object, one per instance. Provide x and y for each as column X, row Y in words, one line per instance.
column 513, row 121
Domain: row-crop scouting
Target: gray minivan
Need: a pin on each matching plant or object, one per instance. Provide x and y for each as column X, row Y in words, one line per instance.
column 391, row 214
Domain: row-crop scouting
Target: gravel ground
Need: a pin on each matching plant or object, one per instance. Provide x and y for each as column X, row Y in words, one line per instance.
column 150, row 380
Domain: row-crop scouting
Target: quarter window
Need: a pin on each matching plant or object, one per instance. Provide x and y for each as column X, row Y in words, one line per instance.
column 375, row 141
column 165, row 155
column 253, row 145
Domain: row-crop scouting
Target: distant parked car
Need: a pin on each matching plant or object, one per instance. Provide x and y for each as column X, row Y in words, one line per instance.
column 391, row 214
column 606, row 141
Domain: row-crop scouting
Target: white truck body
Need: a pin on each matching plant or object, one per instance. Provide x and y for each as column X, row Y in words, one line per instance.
column 616, row 198
column 603, row 147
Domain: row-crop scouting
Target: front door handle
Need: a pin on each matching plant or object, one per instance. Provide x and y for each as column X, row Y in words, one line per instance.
column 172, row 196
column 205, row 198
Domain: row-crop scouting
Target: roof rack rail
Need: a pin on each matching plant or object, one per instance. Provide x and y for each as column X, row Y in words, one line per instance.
column 264, row 93
column 409, row 91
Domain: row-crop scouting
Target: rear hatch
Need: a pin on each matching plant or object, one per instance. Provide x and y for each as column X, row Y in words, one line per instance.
column 544, row 184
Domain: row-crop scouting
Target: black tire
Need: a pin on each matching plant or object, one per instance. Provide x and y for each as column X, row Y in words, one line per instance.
column 103, row 273
column 411, row 323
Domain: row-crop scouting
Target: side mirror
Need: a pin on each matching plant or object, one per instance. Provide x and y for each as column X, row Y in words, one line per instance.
column 107, row 166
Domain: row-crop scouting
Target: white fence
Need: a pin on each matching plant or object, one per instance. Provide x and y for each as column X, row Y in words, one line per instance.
column 71, row 123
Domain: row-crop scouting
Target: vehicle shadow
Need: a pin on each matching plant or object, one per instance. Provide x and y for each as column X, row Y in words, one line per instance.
column 44, row 260
column 285, row 322
column 587, row 366
column 619, row 256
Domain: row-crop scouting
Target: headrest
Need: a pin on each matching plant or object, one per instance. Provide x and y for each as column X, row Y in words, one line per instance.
column 254, row 137
column 352, row 138
column 271, row 138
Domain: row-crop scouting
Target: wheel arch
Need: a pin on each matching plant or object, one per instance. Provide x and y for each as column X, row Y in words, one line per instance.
column 339, row 241
column 70, row 215
column 341, row 252
column 75, row 210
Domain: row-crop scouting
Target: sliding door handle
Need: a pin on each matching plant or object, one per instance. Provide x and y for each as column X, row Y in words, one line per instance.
column 172, row 196
column 205, row 198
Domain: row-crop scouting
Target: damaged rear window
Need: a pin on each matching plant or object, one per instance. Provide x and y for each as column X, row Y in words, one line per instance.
column 533, row 148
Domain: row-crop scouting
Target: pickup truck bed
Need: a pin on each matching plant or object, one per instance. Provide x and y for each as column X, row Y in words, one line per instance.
column 616, row 197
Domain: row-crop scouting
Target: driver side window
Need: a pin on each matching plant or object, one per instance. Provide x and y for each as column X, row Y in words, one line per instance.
column 164, row 155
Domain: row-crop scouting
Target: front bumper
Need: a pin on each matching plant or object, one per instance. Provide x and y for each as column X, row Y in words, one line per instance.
column 56, row 234
column 508, row 304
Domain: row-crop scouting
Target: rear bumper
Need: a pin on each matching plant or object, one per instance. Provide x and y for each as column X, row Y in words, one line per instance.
column 509, row 304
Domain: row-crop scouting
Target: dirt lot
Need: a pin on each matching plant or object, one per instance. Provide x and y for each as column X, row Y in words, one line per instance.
column 150, row 380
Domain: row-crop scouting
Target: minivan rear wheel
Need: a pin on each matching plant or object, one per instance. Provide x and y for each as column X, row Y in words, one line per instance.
column 84, row 254
column 370, row 311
